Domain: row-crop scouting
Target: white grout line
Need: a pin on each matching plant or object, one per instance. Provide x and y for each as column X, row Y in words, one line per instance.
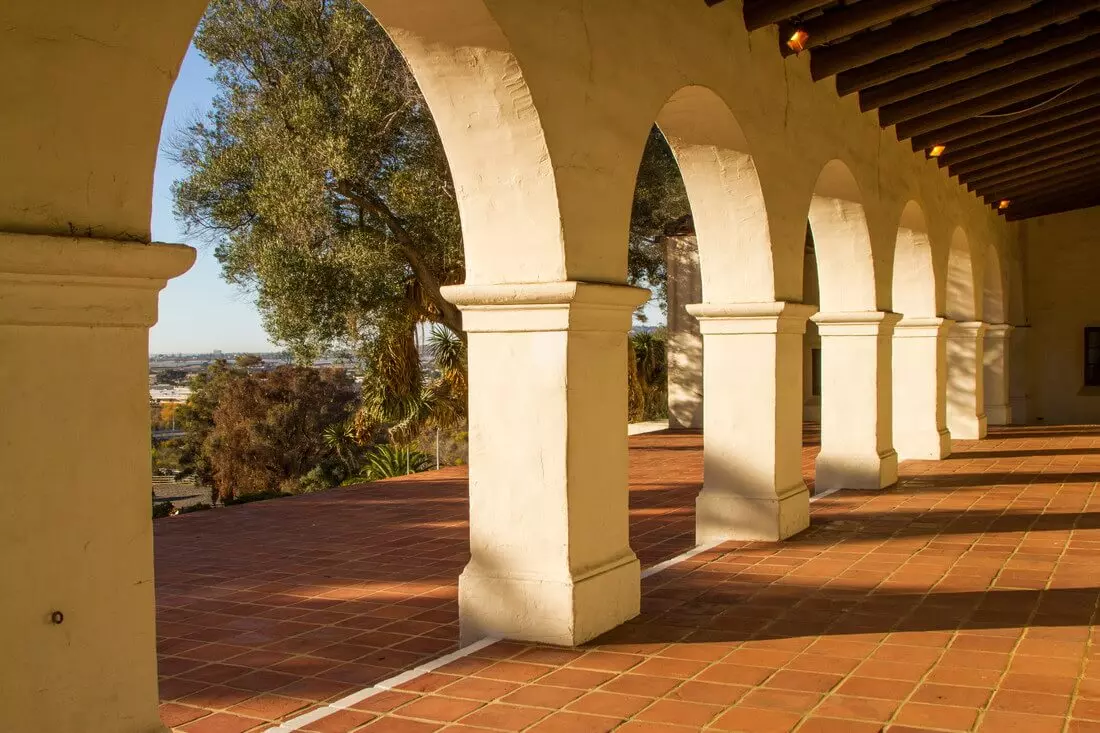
column 391, row 683
column 385, row 685
column 823, row 494
column 697, row 550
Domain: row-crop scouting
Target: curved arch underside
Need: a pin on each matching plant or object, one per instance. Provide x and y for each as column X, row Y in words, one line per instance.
column 727, row 203
column 842, row 242
column 914, row 276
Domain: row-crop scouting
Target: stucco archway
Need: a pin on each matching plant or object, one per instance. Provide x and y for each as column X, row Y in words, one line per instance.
column 965, row 383
column 70, row 172
column 731, row 220
column 994, row 302
column 914, row 275
column 856, row 424
column 919, row 356
column 963, row 303
column 842, row 242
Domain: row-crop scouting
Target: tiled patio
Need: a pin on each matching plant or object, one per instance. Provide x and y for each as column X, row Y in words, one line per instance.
column 961, row 600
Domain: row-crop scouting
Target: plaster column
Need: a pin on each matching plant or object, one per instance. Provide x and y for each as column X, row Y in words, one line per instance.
column 997, row 373
column 920, row 389
column 965, row 381
column 77, row 607
column 685, row 343
column 549, row 532
column 1018, row 398
column 857, row 449
column 752, row 436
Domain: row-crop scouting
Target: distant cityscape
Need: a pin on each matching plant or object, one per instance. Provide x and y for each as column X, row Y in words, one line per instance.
column 169, row 374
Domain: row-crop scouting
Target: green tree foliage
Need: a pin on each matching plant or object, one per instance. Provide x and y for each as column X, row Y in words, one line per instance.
column 400, row 396
column 319, row 173
column 269, row 427
column 247, row 361
column 196, row 418
column 660, row 210
column 321, row 179
column 647, row 376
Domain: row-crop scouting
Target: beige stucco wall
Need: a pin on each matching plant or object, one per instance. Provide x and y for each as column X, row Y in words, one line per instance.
column 544, row 107
column 1063, row 254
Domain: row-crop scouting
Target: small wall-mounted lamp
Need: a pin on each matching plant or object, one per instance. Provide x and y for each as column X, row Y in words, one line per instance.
column 797, row 41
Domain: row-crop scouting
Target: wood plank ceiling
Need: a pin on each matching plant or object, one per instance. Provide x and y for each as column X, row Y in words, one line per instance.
column 1009, row 88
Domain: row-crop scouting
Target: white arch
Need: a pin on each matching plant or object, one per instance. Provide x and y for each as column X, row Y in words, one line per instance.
column 962, row 300
column 723, row 188
column 67, row 171
column 914, row 276
column 994, row 305
column 842, row 242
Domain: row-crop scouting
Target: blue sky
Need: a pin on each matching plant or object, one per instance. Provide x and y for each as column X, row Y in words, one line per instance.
column 199, row 311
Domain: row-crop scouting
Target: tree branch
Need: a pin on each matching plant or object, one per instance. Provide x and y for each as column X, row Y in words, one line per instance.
column 449, row 315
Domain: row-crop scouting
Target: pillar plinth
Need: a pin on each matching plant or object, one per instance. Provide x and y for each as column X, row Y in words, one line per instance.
column 75, row 514
column 1018, row 398
column 549, row 533
column 966, row 417
column 752, row 435
column 996, row 357
column 920, row 389
column 856, row 389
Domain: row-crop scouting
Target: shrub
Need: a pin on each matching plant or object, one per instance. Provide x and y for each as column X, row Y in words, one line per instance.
column 163, row 509
column 254, row 496
column 200, row 507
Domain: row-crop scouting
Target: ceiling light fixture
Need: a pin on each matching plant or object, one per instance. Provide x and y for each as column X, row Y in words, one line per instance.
column 797, row 41
column 1003, row 204
column 936, row 151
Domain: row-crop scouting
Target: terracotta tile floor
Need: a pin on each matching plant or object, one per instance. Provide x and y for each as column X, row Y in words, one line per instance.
column 963, row 599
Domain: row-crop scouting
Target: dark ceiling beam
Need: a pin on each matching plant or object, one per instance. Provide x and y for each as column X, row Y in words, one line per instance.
column 982, row 85
column 975, row 127
column 849, row 19
column 1009, row 189
column 968, row 67
column 1060, row 152
column 869, row 69
column 908, row 33
column 765, row 12
column 1037, row 147
column 1018, row 191
column 1038, row 171
column 1025, row 131
column 1034, row 91
column 1063, row 184
column 1056, row 205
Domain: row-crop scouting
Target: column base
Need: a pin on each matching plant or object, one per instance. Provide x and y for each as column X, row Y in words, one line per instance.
column 721, row 516
column 850, row 471
column 969, row 429
column 565, row 612
column 998, row 414
column 930, row 446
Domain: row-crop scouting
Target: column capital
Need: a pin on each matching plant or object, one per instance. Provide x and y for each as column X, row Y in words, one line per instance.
column 967, row 329
column 74, row 281
column 999, row 330
column 922, row 327
column 856, row 323
column 741, row 318
column 557, row 306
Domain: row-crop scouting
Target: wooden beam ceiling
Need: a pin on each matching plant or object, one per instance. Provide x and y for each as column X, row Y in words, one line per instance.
column 1011, row 88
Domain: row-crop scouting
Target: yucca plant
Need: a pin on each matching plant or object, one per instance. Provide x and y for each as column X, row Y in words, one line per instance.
column 388, row 461
column 647, row 376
